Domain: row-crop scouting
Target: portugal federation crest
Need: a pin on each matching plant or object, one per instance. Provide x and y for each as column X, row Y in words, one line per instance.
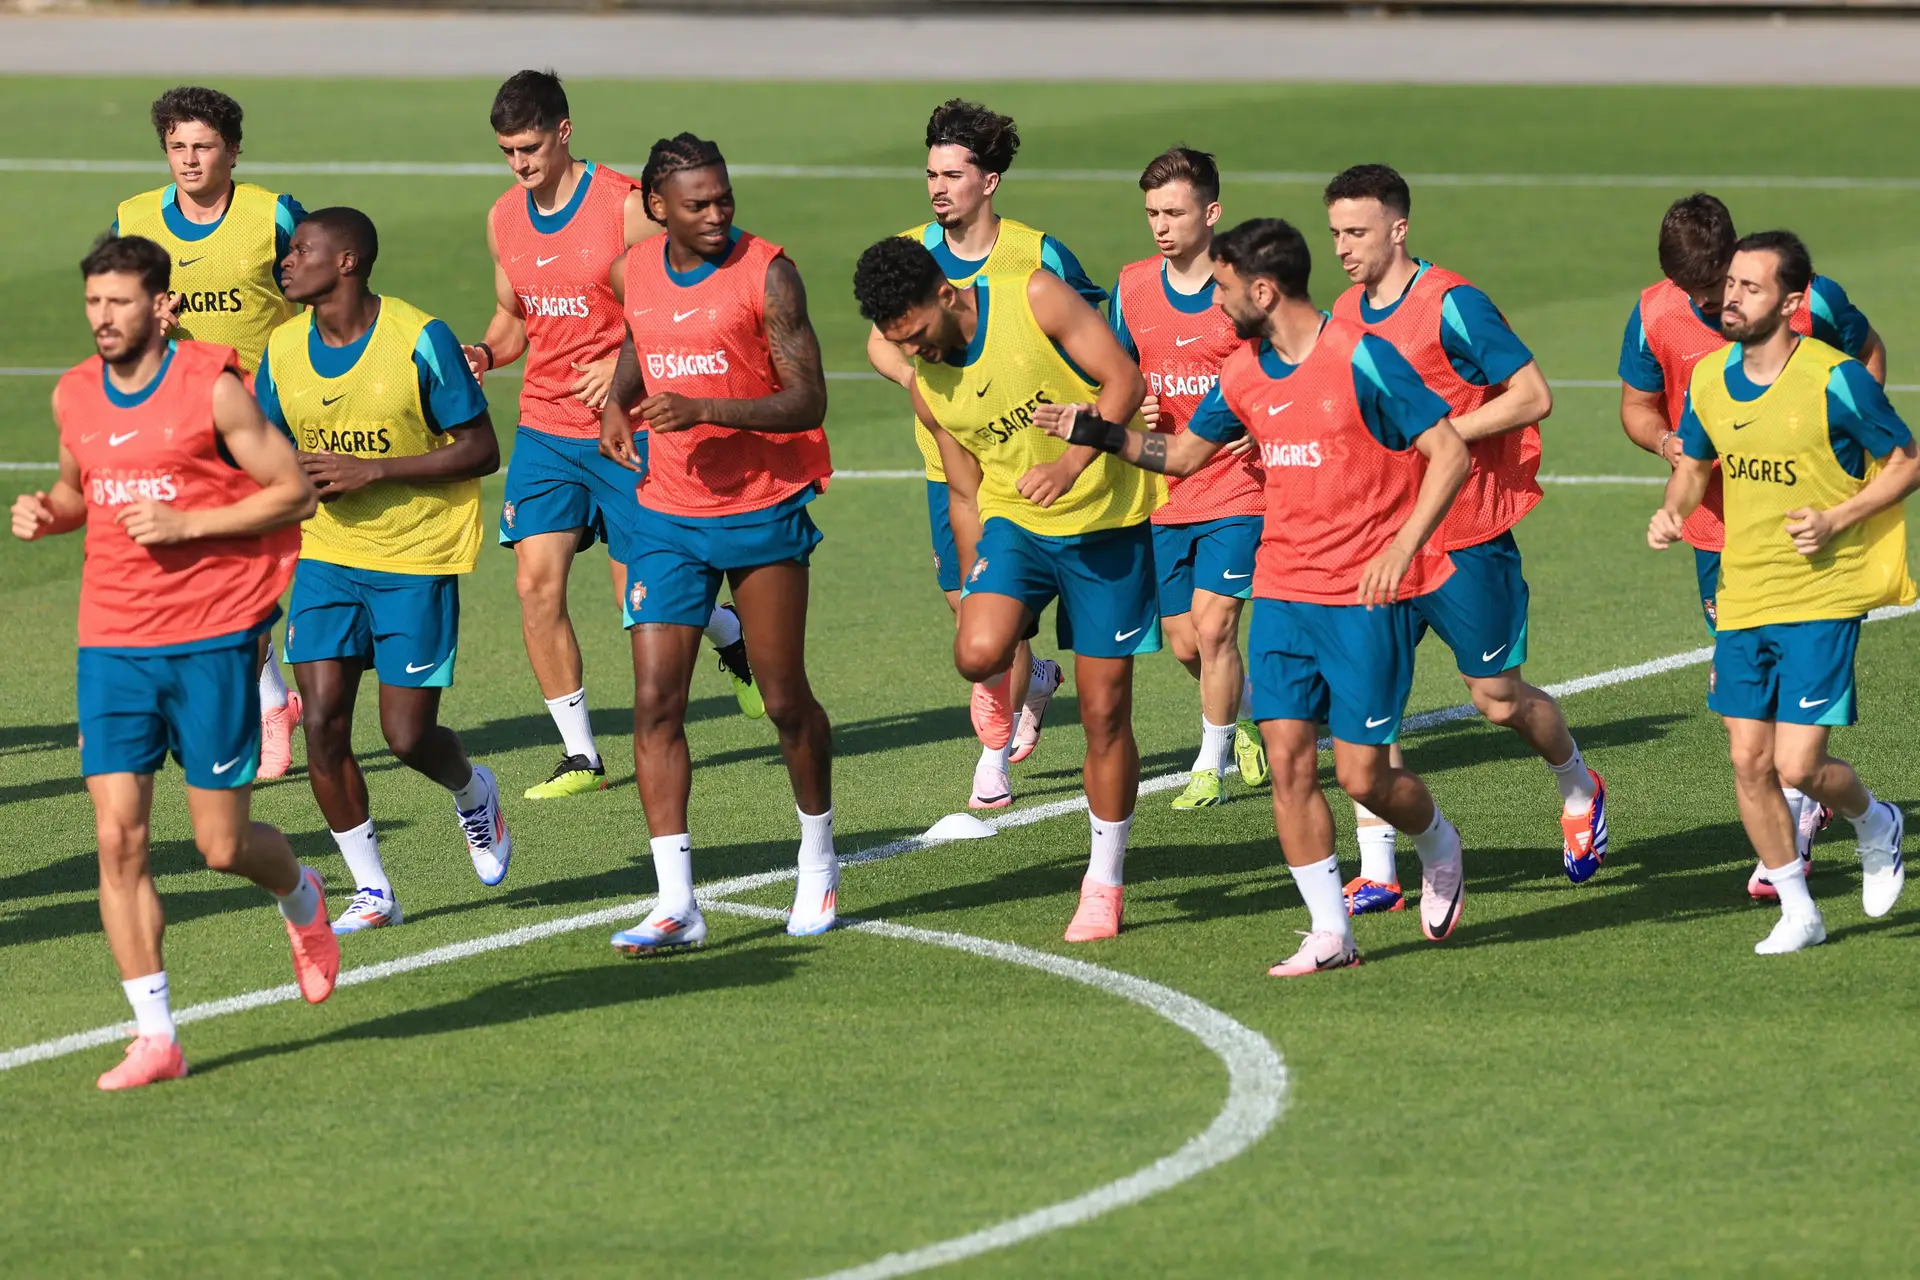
column 636, row 596
column 506, row 513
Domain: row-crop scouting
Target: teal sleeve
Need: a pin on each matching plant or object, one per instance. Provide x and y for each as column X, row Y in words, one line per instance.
column 287, row 214
column 1638, row 368
column 1693, row 436
column 1836, row 321
column 448, row 391
column 1213, row 420
column 1059, row 259
column 268, row 395
column 1861, row 424
column 1119, row 323
column 1396, row 404
column 1480, row 344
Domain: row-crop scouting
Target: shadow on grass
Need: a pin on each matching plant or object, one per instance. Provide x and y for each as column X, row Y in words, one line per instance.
column 24, row 739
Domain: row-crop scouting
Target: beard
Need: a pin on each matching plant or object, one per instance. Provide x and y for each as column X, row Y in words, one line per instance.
column 1246, row 328
column 1745, row 331
column 132, row 345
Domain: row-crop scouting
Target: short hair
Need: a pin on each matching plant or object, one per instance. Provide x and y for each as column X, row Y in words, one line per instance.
column 134, row 255
column 1789, row 250
column 1270, row 247
column 1696, row 242
column 529, row 100
column 988, row 136
column 681, row 153
column 893, row 276
column 1372, row 182
column 1183, row 164
column 192, row 103
column 352, row 227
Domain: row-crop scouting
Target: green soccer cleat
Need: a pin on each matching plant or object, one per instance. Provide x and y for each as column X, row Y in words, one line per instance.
column 1203, row 791
column 1250, row 753
column 573, row 776
column 734, row 664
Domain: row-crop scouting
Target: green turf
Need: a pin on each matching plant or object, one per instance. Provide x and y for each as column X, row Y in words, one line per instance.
column 1599, row 1080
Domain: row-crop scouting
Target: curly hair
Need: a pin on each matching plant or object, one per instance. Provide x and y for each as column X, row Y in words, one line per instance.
column 681, row 153
column 192, row 103
column 1372, row 182
column 989, row 137
column 893, row 276
column 529, row 100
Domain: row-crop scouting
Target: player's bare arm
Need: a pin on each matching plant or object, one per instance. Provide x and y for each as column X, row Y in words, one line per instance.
column 1446, row 455
column 506, row 338
column 616, row 416
column 963, row 482
column 1171, row 455
column 1873, row 354
column 801, row 402
column 1686, row 487
column 888, row 360
column 473, row 451
column 1088, row 342
column 1812, row 528
column 1643, row 416
column 1524, row 400
column 47, row 512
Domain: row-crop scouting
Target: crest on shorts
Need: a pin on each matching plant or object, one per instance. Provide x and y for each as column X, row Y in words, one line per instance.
column 636, row 596
column 506, row 513
column 979, row 567
column 1713, row 678
column 1712, row 606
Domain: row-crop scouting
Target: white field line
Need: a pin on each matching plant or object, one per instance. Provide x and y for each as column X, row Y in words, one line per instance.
column 892, row 173
column 1256, row 1095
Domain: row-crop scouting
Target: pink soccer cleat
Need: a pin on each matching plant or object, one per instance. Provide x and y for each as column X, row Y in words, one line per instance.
column 1033, row 713
column 1443, row 891
column 316, row 952
column 276, row 738
column 991, row 789
column 1098, row 916
column 992, row 712
column 149, row 1060
column 1318, row 953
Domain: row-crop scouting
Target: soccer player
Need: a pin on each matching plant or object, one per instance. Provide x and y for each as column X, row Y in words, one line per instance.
column 1205, row 537
column 722, row 363
column 191, row 507
column 1496, row 395
column 554, row 236
column 1361, row 466
column 1037, row 520
column 969, row 150
column 1674, row 324
column 225, row 240
column 393, row 431
column 1814, row 467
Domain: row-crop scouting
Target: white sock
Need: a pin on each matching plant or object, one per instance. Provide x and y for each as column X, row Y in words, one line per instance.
column 1376, row 838
column 361, row 848
column 152, row 1013
column 1109, row 858
column 300, row 905
column 816, row 841
column 1439, row 843
column 673, row 866
column 1000, row 759
column 472, row 795
column 1790, row 881
column 1576, row 783
column 1216, row 744
column 570, row 718
column 723, row 627
column 273, row 686
column 1796, row 805
column 1319, row 885
column 1873, row 826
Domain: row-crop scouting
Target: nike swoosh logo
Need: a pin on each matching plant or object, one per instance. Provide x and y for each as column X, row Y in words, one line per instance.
column 541, row 262
column 1741, row 426
column 117, row 440
column 1489, row 657
column 1121, row 637
column 1808, row 706
column 187, row 262
column 983, row 390
column 89, row 437
column 333, row 399
column 678, row 316
column 1695, row 355
column 1273, row 409
column 1185, row 342
column 1236, row 576
column 414, row 671
column 1375, row 724
column 222, row 768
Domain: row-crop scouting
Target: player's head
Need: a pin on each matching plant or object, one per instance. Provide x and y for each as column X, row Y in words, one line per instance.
column 126, row 280
column 968, row 149
column 333, row 249
column 1367, row 208
column 1767, row 282
column 1183, row 200
column 1258, row 265
column 688, row 192
column 904, row 293
column 199, row 131
column 1696, row 244
column 532, row 125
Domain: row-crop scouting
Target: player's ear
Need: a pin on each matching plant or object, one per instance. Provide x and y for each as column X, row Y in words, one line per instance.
column 991, row 184
column 564, row 132
column 1399, row 230
column 1213, row 214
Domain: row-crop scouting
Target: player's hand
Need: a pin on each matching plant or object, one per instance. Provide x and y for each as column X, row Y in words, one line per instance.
column 1664, row 529
column 170, row 318
column 1380, row 580
column 1057, row 419
column 1150, row 412
column 479, row 364
column 1047, row 483
column 1811, row 530
column 1671, row 449
column 335, row 474
column 594, row 382
column 616, row 441
column 1239, row 448
column 32, row 516
column 667, row 411
column 153, row 524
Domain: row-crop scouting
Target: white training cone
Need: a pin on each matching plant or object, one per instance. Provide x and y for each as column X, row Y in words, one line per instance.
column 958, row 826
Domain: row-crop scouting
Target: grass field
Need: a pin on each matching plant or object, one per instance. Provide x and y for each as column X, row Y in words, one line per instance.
column 1593, row 1080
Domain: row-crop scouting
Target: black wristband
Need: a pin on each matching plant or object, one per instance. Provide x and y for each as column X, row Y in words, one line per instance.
column 489, row 350
column 1090, row 429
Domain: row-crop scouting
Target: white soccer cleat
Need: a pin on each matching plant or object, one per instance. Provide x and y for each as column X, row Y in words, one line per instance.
column 991, row 787
column 370, row 909
column 488, row 841
column 1883, row 872
column 663, row 932
column 815, row 902
column 1033, row 712
column 1793, row 933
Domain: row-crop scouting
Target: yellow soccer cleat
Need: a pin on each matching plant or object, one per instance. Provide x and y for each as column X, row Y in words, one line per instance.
column 1203, row 791
column 573, row 776
column 1250, row 753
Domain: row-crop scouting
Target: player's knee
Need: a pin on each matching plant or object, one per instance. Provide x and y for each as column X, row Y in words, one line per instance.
column 542, row 598
column 408, row 741
column 1107, row 722
column 1797, row 772
column 789, row 707
column 329, row 734
column 980, row 658
column 123, row 847
column 1752, row 762
column 221, row 850
column 1296, row 772
column 1364, row 780
column 660, row 708
column 1182, row 641
column 1502, row 702
column 1215, row 637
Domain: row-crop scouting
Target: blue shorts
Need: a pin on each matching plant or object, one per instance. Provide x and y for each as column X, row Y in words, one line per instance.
column 406, row 626
column 201, row 702
column 557, row 483
column 946, row 552
column 1787, row 672
column 1481, row 610
column 1104, row 582
column 1213, row 555
column 1341, row 665
column 677, row 562
column 1706, row 567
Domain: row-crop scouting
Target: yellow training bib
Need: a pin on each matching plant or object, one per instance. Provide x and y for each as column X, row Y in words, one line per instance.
column 987, row 405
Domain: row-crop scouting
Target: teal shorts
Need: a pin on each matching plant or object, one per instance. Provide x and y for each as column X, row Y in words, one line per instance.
column 558, row 483
column 199, row 702
column 1480, row 612
column 946, row 552
column 677, row 562
column 1786, row 672
column 1706, row 568
column 406, row 626
column 1104, row 582
column 1342, row 665
column 1212, row 555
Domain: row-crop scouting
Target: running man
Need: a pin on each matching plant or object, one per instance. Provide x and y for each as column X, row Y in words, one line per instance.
column 969, row 150
column 191, row 507
column 1676, row 323
column 722, row 365
column 553, row 237
column 1205, row 537
column 1037, row 520
column 393, row 431
column 225, row 240
column 1814, row 466
column 1361, row 466
column 1461, row 346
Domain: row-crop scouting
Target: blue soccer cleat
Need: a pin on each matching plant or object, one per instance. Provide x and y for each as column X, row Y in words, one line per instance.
column 1367, row 896
column 1584, row 836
